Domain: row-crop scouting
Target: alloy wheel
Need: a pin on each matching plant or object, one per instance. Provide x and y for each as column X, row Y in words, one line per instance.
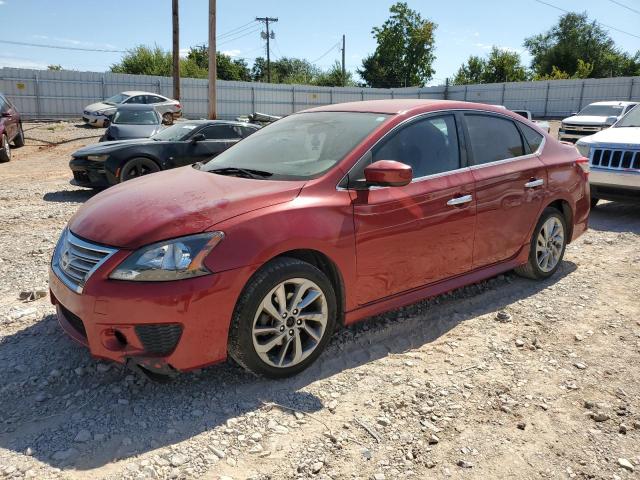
column 549, row 244
column 7, row 147
column 290, row 322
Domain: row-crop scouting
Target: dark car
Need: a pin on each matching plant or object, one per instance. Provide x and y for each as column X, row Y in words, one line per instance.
column 133, row 121
column 10, row 128
column 105, row 164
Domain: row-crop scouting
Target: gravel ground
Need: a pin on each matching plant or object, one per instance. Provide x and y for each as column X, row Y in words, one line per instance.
column 508, row 378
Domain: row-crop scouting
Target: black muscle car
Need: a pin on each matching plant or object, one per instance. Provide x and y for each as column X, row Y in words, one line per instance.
column 108, row 163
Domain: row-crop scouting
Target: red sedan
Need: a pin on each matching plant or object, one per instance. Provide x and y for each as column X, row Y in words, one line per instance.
column 321, row 219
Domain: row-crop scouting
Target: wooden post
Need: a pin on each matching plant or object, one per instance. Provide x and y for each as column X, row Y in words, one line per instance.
column 213, row 111
column 176, row 51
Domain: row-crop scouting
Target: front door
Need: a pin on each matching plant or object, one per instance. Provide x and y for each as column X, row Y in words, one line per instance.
column 510, row 184
column 217, row 138
column 410, row 236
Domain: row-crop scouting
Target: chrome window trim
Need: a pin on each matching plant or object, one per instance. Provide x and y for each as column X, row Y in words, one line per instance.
column 450, row 172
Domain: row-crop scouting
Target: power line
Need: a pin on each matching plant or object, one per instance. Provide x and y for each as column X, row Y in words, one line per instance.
column 600, row 23
column 624, row 6
column 227, row 40
column 236, row 30
column 41, row 45
column 325, row 53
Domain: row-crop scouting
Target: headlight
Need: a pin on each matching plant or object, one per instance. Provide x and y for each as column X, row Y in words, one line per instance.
column 97, row 158
column 583, row 148
column 169, row 260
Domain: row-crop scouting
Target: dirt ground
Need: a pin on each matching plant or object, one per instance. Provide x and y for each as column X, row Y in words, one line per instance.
column 446, row 388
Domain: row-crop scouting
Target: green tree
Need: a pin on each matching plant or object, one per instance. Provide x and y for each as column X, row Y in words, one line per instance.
column 55, row 68
column 470, row 72
column 333, row 77
column 144, row 60
column 405, row 52
column 285, row 70
column 499, row 66
column 573, row 39
column 227, row 68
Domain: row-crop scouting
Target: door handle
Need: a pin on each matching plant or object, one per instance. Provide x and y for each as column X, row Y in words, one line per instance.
column 537, row 182
column 459, row 200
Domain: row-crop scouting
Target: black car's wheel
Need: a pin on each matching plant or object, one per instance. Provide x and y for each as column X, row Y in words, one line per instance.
column 167, row 118
column 547, row 246
column 5, row 149
column 283, row 319
column 594, row 202
column 137, row 167
column 18, row 141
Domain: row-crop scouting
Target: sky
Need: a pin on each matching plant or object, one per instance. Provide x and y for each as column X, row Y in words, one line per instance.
column 306, row 29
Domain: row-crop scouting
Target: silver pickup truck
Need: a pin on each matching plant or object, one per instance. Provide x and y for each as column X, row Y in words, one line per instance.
column 614, row 158
column 593, row 118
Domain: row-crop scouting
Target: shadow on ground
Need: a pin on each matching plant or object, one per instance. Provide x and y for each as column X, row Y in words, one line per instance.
column 68, row 196
column 46, row 402
column 615, row 217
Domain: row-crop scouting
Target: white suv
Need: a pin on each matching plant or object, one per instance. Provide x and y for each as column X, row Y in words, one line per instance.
column 592, row 119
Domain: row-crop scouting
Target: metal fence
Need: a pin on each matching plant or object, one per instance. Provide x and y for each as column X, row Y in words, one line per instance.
column 64, row 94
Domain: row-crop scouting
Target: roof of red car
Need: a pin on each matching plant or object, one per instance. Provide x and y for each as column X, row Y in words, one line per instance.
column 402, row 105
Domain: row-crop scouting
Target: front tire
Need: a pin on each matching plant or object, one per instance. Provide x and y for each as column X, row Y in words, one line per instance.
column 137, row 167
column 283, row 319
column 547, row 246
column 5, row 149
column 19, row 140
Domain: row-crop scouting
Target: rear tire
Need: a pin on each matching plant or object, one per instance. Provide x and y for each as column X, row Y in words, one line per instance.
column 137, row 167
column 167, row 118
column 19, row 140
column 5, row 149
column 284, row 318
column 547, row 246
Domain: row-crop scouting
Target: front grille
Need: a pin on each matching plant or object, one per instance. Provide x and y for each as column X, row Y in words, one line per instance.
column 580, row 129
column 615, row 159
column 74, row 320
column 159, row 339
column 81, row 176
column 75, row 260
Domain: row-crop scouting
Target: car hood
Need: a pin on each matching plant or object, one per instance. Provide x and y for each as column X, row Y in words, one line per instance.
column 95, row 107
column 624, row 136
column 133, row 131
column 173, row 203
column 586, row 120
column 107, row 147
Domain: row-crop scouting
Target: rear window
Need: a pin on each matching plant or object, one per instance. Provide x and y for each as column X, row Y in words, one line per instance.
column 493, row 138
column 533, row 138
column 136, row 117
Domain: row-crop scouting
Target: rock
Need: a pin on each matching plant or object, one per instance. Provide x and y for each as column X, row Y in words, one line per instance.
column 103, row 367
column 257, row 448
column 580, row 366
column 177, row 459
column 626, row 464
column 433, row 439
column 600, row 417
column 83, row 435
column 23, row 313
column 256, row 436
column 578, row 338
column 31, row 295
column 503, row 317
column 332, row 405
column 522, row 425
column 41, row 397
column 123, row 401
column 519, row 342
column 623, row 429
column 316, row 467
column 588, row 404
column 378, row 476
column 217, row 452
column 385, row 422
column 464, row 464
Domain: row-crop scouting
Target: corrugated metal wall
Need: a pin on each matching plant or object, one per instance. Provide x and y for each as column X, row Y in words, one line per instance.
column 64, row 94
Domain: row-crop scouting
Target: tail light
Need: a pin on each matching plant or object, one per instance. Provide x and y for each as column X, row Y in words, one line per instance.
column 583, row 163
column 179, row 106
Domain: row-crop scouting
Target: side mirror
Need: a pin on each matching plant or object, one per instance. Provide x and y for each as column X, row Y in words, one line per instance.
column 388, row 173
column 198, row 137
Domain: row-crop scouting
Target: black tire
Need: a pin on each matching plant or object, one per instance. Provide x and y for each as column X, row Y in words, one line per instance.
column 594, row 202
column 531, row 269
column 167, row 118
column 137, row 167
column 5, row 149
column 240, row 342
column 18, row 141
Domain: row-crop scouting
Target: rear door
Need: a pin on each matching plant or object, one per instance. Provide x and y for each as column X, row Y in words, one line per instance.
column 410, row 236
column 510, row 183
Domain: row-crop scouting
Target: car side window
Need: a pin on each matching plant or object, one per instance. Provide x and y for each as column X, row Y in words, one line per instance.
column 533, row 138
column 220, row 132
column 152, row 99
column 4, row 105
column 246, row 131
column 493, row 138
column 429, row 146
column 135, row 99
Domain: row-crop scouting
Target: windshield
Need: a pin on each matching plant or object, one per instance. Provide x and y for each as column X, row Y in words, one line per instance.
column 602, row 110
column 175, row 133
column 631, row 119
column 136, row 117
column 300, row 146
column 119, row 98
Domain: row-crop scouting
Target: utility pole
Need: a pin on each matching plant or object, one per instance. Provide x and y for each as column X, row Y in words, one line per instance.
column 176, row 51
column 344, row 71
column 267, row 36
column 212, row 61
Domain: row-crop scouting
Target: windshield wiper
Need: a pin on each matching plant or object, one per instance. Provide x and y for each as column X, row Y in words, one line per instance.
column 242, row 172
